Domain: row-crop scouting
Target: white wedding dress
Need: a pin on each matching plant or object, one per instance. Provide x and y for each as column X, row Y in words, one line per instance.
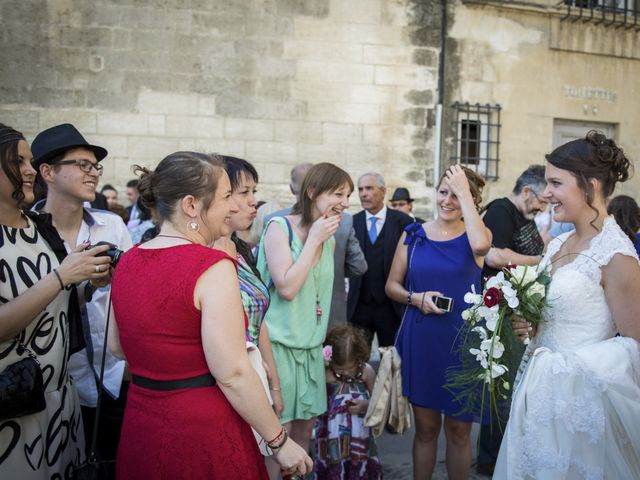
column 576, row 412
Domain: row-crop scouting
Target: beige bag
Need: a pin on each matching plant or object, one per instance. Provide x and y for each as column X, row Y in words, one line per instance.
column 387, row 405
column 255, row 357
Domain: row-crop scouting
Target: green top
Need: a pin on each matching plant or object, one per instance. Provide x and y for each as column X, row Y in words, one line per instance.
column 294, row 323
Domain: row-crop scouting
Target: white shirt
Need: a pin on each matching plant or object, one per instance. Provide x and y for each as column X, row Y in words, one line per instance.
column 98, row 225
column 381, row 216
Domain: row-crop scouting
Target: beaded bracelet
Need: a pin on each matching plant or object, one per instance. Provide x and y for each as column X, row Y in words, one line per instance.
column 55, row 271
column 409, row 297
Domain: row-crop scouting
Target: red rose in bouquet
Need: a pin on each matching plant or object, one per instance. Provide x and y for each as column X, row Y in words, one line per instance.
column 492, row 297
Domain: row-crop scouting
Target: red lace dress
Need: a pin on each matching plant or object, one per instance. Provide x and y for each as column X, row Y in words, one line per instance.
column 190, row 433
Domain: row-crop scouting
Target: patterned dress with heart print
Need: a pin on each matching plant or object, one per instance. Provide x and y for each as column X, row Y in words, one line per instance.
column 44, row 445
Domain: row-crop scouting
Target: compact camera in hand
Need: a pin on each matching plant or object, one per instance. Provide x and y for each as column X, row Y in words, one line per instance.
column 444, row 303
column 114, row 253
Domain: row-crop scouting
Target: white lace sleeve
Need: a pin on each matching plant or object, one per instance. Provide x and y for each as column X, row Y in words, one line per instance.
column 610, row 242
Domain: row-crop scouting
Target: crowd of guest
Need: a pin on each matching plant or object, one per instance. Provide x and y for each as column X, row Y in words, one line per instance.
column 192, row 334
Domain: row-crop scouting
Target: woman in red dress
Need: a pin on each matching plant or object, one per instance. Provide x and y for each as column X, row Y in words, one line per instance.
column 181, row 327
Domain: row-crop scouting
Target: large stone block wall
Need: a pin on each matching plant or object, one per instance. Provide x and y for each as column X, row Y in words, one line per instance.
column 276, row 81
column 524, row 59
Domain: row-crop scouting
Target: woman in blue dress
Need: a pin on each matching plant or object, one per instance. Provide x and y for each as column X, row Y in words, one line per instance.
column 443, row 257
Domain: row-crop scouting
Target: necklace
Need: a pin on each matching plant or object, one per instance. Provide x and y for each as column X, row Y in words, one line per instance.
column 315, row 287
column 175, row 236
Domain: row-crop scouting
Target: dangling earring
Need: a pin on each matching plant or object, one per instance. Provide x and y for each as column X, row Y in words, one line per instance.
column 193, row 226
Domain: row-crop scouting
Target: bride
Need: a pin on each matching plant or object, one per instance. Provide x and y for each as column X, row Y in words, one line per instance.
column 576, row 410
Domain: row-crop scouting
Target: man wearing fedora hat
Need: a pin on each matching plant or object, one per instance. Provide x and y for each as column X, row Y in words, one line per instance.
column 401, row 200
column 69, row 167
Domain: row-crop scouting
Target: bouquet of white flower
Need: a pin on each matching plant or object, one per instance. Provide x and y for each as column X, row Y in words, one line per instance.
column 488, row 338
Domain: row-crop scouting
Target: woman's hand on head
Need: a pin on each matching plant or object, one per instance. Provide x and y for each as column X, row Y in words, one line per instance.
column 324, row 228
column 457, row 181
column 293, row 459
column 80, row 265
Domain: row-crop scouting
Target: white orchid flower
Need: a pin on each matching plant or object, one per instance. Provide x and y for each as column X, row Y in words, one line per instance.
column 492, row 317
column 498, row 370
column 481, row 356
column 493, row 343
column 480, row 331
column 495, row 282
column 511, row 296
column 472, row 297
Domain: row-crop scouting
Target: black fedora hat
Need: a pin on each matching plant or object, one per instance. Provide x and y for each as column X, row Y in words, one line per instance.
column 400, row 194
column 56, row 140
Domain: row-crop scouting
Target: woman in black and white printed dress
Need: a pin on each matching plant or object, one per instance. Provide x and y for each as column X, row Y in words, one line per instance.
column 33, row 312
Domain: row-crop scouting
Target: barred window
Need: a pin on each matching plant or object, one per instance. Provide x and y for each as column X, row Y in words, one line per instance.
column 620, row 13
column 477, row 138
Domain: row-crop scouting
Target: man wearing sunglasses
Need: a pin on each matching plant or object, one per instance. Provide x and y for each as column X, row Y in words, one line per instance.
column 70, row 169
column 516, row 241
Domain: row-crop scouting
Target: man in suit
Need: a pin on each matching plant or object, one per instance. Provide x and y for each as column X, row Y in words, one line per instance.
column 378, row 230
column 401, row 200
column 348, row 257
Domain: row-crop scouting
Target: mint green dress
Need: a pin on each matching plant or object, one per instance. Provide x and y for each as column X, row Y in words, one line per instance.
column 297, row 335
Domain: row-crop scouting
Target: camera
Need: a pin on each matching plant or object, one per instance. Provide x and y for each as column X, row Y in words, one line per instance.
column 444, row 303
column 114, row 253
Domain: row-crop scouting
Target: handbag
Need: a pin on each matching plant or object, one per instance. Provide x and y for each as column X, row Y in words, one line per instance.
column 92, row 468
column 255, row 357
column 22, row 387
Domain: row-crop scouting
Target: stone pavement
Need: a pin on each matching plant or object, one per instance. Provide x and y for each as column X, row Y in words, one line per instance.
column 395, row 456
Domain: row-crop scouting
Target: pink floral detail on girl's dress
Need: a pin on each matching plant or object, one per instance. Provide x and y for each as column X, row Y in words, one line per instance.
column 327, row 354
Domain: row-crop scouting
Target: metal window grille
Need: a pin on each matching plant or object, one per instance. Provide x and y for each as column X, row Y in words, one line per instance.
column 617, row 13
column 478, row 138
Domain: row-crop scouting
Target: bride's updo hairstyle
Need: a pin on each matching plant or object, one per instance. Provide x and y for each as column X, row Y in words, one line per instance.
column 594, row 156
column 176, row 176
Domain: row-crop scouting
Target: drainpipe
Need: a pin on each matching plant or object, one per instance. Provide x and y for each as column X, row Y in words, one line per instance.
column 439, row 106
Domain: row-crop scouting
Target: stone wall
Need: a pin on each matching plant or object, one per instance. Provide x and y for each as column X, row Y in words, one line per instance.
column 541, row 70
column 276, row 81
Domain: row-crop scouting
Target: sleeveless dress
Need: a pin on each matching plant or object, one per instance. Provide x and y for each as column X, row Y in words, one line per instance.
column 47, row 444
column 428, row 344
column 576, row 411
column 344, row 447
column 189, row 433
column 255, row 299
column 296, row 334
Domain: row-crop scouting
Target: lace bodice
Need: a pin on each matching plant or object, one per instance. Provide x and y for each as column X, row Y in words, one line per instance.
column 577, row 313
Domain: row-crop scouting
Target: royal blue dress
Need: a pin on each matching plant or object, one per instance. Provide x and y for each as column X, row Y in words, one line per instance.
column 428, row 344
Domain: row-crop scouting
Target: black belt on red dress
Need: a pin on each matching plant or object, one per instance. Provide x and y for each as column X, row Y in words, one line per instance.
column 205, row 380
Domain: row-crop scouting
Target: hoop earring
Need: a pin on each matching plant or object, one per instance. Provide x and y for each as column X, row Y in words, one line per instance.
column 193, row 226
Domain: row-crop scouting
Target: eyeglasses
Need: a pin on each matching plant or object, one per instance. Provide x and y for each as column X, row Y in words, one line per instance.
column 84, row 164
column 541, row 201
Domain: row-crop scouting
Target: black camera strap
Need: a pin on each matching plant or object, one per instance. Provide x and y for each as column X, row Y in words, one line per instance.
column 96, row 421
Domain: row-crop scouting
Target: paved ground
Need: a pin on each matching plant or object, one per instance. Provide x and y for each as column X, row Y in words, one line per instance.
column 395, row 450
column 395, row 456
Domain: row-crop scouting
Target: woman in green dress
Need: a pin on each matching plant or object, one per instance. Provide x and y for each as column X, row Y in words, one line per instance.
column 295, row 259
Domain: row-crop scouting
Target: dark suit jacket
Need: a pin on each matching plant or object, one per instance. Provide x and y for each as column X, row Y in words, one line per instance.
column 394, row 225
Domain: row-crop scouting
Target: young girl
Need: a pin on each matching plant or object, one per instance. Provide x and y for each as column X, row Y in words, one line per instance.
column 344, row 447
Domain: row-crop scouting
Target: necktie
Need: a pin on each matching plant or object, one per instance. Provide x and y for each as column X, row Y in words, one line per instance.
column 373, row 231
